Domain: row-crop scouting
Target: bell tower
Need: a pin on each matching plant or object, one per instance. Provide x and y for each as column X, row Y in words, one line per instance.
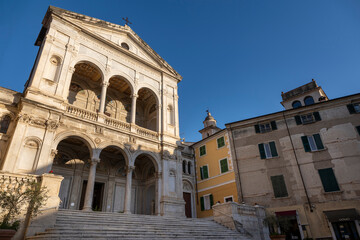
column 209, row 126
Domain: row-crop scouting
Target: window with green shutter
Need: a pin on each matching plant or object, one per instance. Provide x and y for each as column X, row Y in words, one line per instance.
column 206, row 202
column 312, row 143
column 265, row 127
column 201, row 173
column 279, row 186
column 224, row 165
column 220, row 142
column 202, row 150
column 307, row 118
column 267, row 150
column 205, row 172
column 328, row 180
column 202, row 204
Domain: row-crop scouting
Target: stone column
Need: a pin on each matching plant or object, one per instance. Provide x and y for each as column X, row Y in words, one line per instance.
column 133, row 107
column 103, row 96
column 127, row 206
column 90, row 185
column 158, row 122
column 158, row 192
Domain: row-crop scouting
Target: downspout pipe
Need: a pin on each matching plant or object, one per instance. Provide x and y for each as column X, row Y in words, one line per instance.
column 237, row 165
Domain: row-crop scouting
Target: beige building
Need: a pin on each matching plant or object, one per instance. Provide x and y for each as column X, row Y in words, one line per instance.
column 303, row 163
column 100, row 108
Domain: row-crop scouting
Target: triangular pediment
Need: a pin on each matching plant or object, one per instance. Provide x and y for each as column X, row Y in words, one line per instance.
column 115, row 35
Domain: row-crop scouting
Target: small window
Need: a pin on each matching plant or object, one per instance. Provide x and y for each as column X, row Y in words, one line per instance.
column 296, row 104
column 308, row 100
column 354, row 108
column 189, row 167
column 307, row 118
column 267, row 150
column 328, row 180
column 204, row 172
column 279, row 186
column 206, row 202
column 125, row 45
column 4, row 124
column 358, row 129
column 265, row 127
column 312, row 143
column 202, row 150
column 220, row 142
column 228, row 199
column 224, row 165
column 184, row 166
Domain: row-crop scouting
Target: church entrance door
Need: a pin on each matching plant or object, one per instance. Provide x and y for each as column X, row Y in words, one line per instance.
column 187, row 198
column 97, row 196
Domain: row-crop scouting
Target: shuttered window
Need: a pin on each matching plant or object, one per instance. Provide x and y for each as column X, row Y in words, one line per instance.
column 358, row 129
column 202, row 150
column 312, row 143
column 353, row 108
column 206, row 202
column 267, row 150
column 328, row 180
column 307, row 118
column 224, row 165
column 220, row 142
column 265, row 127
column 204, row 173
column 279, row 186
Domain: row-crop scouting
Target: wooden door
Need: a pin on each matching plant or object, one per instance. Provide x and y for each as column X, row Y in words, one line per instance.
column 187, row 198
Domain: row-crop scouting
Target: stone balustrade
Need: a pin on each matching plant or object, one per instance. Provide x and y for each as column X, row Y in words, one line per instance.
column 243, row 218
column 79, row 112
column 147, row 133
column 117, row 124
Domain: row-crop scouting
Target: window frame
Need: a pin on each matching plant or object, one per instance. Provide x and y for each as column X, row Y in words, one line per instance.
column 200, row 150
column 315, row 117
column 232, row 198
column 354, row 108
column 312, row 143
column 284, row 191
column 266, row 151
column 327, row 185
column 262, row 127
column 308, row 97
column 217, row 142
column 202, row 177
column 204, row 201
column 227, row 165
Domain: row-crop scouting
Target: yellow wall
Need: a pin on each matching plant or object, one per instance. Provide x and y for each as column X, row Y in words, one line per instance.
column 226, row 181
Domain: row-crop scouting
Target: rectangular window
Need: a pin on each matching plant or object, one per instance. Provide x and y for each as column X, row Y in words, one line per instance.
column 228, row 199
column 267, row 150
column 279, row 186
column 224, row 165
column 358, row 129
column 265, row 127
column 328, row 180
column 202, row 150
column 354, row 108
column 206, row 202
column 204, row 172
column 220, row 142
column 307, row 118
column 312, row 143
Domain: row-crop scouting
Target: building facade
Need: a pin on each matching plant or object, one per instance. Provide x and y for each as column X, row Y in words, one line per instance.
column 101, row 109
column 214, row 168
column 303, row 163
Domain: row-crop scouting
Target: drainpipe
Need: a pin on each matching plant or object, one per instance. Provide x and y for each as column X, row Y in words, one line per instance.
column 297, row 163
column 237, row 165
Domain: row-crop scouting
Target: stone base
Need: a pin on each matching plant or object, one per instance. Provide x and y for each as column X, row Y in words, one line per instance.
column 172, row 207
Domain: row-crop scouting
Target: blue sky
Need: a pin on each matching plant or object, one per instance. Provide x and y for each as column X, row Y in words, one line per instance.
column 235, row 56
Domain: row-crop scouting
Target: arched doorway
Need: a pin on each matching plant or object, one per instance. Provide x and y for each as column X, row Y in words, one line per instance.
column 145, row 181
column 188, row 198
column 146, row 109
column 71, row 161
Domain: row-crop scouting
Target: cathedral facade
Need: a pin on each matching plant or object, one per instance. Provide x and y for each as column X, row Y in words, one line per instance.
column 100, row 108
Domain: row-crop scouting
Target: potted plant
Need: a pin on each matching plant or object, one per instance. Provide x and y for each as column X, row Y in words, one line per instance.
column 13, row 200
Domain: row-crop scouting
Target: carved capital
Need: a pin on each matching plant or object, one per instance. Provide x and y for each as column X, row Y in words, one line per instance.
column 52, row 125
column 158, row 175
column 53, row 153
column 94, row 161
column 129, row 169
column 134, row 96
column 105, row 84
column 71, row 70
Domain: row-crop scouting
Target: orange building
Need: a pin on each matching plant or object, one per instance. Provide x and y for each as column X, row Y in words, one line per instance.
column 214, row 168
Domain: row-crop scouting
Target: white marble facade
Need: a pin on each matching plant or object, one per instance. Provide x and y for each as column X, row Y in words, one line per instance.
column 101, row 109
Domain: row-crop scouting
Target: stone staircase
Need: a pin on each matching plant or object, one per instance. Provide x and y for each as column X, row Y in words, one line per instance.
column 100, row 225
